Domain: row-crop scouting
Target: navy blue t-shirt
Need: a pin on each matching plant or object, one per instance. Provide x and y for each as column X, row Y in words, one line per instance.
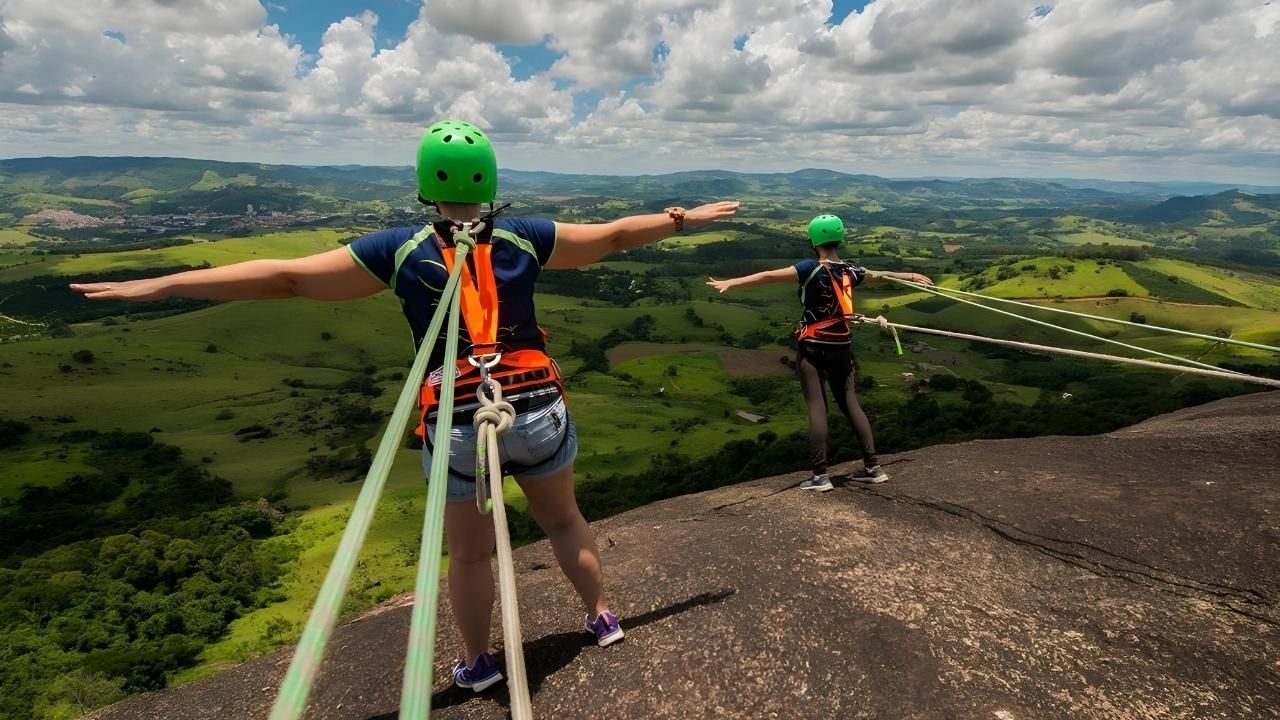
column 409, row 261
column 817, row 295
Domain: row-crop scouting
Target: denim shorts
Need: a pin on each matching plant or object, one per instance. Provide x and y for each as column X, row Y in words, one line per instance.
column 541, row 443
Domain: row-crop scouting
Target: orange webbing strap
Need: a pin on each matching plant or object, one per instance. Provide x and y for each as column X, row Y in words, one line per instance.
column 843, row 288
column 479, row 302
column 831, row 330
column 519, row 370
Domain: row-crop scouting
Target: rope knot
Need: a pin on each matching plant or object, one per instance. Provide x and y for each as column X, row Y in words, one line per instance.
column 495, row 412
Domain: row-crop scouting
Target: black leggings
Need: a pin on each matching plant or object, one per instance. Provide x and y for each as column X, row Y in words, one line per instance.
column 832, row 364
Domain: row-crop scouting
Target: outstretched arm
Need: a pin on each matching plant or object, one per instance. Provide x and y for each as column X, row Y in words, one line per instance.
column 331, row 275
column 916, row 278
column 578, row 245
column 786, row 274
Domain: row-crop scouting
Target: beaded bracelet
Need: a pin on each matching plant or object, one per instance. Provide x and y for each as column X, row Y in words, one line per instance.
column 676, row 214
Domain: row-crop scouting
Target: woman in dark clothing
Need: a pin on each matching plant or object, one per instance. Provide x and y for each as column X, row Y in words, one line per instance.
column 823, row 342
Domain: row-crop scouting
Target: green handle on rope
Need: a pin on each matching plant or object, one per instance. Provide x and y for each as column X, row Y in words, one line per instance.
column 415, row 693
column 291, row 703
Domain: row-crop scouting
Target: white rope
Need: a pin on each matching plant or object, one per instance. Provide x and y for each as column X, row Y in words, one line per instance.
column 495, row 417
column 937, row 290
column 1091, row 336
column 1224, row 374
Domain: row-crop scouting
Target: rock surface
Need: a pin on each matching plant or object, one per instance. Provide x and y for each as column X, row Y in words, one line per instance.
column 1128, row 575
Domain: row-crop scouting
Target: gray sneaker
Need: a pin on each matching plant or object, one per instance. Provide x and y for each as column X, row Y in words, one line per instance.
column 817, row 483
column 873, row 475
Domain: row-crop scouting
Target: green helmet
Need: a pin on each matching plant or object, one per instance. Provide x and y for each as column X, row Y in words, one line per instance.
column 456, row 164
column 826, row 229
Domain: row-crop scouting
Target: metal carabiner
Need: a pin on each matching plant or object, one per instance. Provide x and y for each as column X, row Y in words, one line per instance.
column 484, row 363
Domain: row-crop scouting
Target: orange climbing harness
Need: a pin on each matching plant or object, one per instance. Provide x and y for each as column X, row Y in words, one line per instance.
column 519, row 371
column 836, row 329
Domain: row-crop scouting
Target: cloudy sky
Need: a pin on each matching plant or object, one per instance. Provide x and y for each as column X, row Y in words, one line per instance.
column 1185, row 89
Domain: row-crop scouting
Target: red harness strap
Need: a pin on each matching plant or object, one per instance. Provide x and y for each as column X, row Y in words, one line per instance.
column 516, row 371
column 832, row 330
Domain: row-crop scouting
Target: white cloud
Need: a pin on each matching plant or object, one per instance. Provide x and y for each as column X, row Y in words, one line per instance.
column 1125, row 87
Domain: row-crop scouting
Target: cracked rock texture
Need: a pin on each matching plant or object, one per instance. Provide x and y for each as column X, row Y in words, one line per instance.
column 1128, row 575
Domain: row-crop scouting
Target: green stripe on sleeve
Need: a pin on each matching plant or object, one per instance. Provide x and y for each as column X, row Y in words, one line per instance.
column 518, row 241
column 402, row 252
column 360, row 262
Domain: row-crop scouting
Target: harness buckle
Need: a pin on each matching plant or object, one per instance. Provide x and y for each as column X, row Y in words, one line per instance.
column 485, row 363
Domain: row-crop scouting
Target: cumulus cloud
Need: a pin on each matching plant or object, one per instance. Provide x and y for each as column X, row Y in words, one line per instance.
column 1123, row 87
column 7, row 43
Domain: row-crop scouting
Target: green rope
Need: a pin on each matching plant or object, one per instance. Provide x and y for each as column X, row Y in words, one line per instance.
column 1091, row 336
column 415, row 693
column 292, row 700
column 1100, row 318
column 896, row 341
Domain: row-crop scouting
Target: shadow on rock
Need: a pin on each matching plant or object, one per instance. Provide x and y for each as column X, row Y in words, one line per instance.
column 552, row 653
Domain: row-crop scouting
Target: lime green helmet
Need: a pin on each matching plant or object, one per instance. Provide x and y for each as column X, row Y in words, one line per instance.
column 456, row 164
column 826, row 229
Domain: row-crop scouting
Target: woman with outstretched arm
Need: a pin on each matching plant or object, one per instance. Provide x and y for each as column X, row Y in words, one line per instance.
column 823, row 352
column 457, row 175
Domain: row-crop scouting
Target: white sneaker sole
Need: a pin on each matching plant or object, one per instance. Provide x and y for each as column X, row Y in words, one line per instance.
column 818, row 488
column 483, row 684
column 611, row 638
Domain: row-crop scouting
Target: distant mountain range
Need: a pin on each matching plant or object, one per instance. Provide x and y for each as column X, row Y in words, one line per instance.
column 155, row 185
column 1166, row 188
column 1135, row 187
column 1232, row 207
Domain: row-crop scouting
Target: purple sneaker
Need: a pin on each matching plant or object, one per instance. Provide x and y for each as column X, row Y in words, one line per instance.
column 480, row 677
column 606, row 628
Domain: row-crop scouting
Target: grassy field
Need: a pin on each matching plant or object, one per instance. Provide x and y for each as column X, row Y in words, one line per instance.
column 688, row 242
column 1244, row 288
column 1092, row 237
column 38, row 201
column 222, row 252
column 14, row 236
column 1079, row 230
column 1076, row 278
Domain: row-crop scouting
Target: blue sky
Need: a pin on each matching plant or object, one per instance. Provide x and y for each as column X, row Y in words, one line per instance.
column 307, row 20
column 841, row 9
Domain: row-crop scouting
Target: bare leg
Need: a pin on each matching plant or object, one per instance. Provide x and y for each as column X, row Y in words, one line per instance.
column 555, row 509
column 470, row 574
